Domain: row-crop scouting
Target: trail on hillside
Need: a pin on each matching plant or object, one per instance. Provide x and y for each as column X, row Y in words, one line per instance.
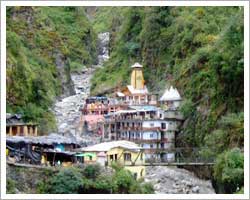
column 68, row 110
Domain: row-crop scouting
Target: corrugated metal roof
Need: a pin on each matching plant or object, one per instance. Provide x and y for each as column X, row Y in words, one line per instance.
column 145, row 108
column 48, row 139
column 106, row 146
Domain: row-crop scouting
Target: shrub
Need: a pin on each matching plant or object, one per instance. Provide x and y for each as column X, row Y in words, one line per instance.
column 123, row 181
column 92, row 171
column 229, row 170
column 11, row 184
column 67, row 181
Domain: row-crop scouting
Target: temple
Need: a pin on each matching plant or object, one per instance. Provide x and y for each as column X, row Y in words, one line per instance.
column 137, row 92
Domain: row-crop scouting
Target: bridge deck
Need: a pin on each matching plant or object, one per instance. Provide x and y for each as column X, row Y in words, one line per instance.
column 179, row 164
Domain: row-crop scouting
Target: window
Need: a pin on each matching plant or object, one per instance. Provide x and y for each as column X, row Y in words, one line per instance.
column 127, row 156
column 90, row 157
column 152, row 124
column 151, row 146
column 111, row 157
column 163, row 125
column 151, row 135
column 141, row 156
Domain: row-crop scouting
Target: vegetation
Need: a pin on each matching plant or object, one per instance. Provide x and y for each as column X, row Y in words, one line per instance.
column 11, row 184
column 199, row 50
column 67, row 181
column 229, row 170
column 90, row 181
column 43, row 45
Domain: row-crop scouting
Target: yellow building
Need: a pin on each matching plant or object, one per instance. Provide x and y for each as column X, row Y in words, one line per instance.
column 126, row 153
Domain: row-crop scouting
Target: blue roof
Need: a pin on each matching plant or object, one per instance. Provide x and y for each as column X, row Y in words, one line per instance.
column 145, row 108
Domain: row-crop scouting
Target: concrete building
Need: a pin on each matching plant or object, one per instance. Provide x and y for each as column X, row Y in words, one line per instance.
column 125, row 153
column 149, row 122
column 144, row 125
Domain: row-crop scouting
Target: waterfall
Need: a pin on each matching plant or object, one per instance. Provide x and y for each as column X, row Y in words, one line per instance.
column 103, row 47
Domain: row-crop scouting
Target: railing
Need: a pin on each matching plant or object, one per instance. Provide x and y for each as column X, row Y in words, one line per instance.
column 173, row 114
column 181, row 155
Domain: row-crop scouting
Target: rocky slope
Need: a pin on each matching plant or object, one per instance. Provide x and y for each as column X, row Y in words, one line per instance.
column 68, row 110
column 171, row 180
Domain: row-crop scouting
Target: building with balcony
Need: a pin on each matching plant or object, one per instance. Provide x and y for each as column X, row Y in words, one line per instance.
column 125, row 153
column 144, row 125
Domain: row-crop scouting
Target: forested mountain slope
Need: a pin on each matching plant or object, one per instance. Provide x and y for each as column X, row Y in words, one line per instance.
column 200, row 51
column 43, row 45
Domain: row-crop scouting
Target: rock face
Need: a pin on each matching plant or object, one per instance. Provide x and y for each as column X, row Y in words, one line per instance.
column 171, row 180
column 64, row 75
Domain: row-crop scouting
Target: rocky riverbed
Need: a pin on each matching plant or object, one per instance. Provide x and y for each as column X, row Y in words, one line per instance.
column 68, row 109
column 173, row 180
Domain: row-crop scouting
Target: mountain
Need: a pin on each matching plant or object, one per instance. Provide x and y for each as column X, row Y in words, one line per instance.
column 44, row 44
column 199, row 50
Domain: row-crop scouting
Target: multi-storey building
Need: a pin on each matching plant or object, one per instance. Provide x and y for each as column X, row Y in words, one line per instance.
column 144, row 125
column 145, row 120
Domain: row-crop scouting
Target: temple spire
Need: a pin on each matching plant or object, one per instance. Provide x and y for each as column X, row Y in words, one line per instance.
column 137, row 80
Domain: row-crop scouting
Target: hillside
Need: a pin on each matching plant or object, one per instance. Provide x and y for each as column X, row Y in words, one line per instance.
column 44, row 44
column 199, row 50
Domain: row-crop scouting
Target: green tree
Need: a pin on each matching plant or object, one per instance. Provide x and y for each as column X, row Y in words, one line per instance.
column 67, row 181
column 92, row 171
column 229, row 170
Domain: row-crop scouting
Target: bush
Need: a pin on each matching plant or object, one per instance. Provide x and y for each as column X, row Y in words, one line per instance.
column 67, row 181
column 229, row 170
column 92, row 171
column 123, row 181
column 147, row 188
column 11, row 184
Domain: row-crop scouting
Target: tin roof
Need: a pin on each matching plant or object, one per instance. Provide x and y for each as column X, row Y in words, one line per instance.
column 51, row 139
column 16, row 119
column 106, row 146
column 145, row 108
